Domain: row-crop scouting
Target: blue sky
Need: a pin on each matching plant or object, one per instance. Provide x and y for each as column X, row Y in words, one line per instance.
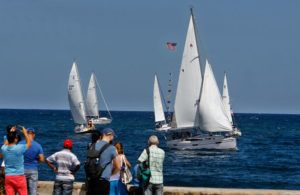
column 256, row 42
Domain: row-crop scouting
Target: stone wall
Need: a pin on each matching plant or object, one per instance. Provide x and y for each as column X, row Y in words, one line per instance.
column 46, row 187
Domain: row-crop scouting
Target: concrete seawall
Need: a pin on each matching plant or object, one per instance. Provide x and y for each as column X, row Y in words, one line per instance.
column 46, row 187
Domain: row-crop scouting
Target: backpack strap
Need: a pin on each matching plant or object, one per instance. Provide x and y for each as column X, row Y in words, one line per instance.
column 103, row 148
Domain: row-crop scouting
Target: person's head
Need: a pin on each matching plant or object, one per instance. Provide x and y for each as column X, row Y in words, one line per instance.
column 68, row 144
column 31, row 132
column 95, row 136
column 108, row 134
column 11, row 128
column 119, row 147
column 153, row 140
column 13, row 137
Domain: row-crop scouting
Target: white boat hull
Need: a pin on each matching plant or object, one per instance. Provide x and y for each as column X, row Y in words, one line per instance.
column 214, row 142
column 101, row 121
column 80, row 129
column 164, row 127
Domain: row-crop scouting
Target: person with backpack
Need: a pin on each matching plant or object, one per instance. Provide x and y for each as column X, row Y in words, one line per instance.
column 67, row 165
column 153, row 158
column 98, row 166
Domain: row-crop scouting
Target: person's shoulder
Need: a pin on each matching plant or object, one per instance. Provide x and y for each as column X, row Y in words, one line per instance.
column 3, row 147
column 160, row 150
column 22, row 142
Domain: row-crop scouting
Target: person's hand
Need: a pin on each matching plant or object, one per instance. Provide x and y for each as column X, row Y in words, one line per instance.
column 24, row 130
column 55, row 170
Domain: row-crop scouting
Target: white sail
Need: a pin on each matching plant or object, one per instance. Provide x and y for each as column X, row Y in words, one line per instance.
column 91, row 99
column 226, row 99
column 213, row 117
column 189, row 82
column 158, row 107
column 75, row 96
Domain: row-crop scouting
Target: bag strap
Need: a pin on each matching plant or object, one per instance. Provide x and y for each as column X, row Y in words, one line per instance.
column 148, row 153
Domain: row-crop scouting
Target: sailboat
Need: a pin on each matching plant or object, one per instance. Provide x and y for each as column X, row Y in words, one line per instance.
column 228, row 109
column 92, row 110
column 200, row 120
column 76, row 101
column 160, row 119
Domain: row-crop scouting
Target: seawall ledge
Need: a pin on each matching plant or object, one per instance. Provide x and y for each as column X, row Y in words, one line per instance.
column 46, row 187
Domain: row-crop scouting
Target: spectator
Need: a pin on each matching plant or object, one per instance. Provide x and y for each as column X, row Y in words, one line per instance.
column 116, row 185
column 15, row 181
column 32, row 156
column 102, row 185
column 67, row 165
column 156, row 157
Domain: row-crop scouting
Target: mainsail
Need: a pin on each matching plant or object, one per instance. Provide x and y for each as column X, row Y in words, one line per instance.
column 75, row 96
column 189, row 82
column 213, row 117
column 91, row 98
column 226, row 99
column 158, row 107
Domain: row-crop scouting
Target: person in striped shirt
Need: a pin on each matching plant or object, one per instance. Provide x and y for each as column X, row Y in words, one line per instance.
column 65, row 164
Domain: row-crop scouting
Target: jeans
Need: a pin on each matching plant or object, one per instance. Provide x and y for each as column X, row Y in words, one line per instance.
column 32, row 179
column 62, row 187
column 154, row 189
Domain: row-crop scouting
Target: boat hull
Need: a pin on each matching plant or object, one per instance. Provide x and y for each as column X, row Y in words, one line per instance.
column 214, row 142
column 101, row 121
column 83, row 129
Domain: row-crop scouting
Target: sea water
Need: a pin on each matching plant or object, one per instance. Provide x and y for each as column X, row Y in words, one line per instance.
column 268, row 154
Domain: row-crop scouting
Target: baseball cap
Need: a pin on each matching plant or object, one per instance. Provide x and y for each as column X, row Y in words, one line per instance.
column 108, row 131
column 68, row 143
column 30, row 129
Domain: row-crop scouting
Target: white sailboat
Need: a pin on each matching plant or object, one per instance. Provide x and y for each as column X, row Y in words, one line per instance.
column 76, row 101
column 227, row 105
column 201, row 119
column 160, row 120
column 92, row 110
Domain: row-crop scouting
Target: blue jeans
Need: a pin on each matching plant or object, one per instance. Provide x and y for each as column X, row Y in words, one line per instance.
column 62, row 187
column 154, row 189
column 32, row 180
column 117, row 188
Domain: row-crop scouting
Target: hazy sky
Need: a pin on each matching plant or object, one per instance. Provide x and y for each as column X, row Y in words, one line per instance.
column 256, row 42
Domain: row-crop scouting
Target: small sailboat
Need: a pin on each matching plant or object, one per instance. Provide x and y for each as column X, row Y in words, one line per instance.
column 228, row 108
column 200, row 120
column 76, row 101
column 92, row 110
column 160, row 119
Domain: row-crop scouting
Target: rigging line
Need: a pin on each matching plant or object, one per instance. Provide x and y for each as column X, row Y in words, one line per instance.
column 103, row 98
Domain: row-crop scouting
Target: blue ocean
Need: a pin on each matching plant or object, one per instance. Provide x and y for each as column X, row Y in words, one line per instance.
column 268, row 154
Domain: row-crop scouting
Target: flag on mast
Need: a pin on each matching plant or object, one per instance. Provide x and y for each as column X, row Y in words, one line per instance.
column 171, row 45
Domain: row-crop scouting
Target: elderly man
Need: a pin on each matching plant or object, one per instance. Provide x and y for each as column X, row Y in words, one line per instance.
column 156, row 159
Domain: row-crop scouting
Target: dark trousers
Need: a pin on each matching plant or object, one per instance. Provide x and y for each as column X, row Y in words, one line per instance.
column 97, row 186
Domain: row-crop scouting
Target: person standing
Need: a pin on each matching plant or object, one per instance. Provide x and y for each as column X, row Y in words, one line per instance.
column 32, row 156
column 67, row 165
column 117, row 187
column 156, row 159
column 15, row 181
column 108, row 156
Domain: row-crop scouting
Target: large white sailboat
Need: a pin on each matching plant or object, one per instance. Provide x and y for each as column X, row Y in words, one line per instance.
column 200, row 120
column 159, row 115
column 92, row 109
column 76, row 101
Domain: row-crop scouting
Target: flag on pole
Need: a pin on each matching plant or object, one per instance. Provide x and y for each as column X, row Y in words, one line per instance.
column 171, row 45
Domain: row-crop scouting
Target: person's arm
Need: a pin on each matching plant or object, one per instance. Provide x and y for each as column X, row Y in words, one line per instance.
column 127, row 162
column 27, row 139
column 52, row 166
column 143, row 157
column 77, row 167
column 41, row 158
